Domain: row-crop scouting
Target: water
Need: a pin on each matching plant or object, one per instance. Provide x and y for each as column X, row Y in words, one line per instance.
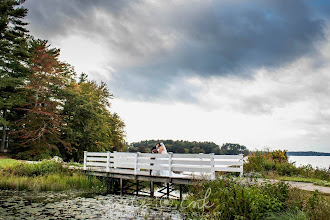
column 315, row 161
column 69, row 205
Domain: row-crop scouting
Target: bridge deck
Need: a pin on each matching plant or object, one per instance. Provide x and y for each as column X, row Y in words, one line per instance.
column 161, row 167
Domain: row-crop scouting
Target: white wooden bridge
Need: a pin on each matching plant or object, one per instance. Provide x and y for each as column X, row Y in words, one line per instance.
column 168, row 168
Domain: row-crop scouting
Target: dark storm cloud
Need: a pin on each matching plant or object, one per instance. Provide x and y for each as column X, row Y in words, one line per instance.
column 158, row 44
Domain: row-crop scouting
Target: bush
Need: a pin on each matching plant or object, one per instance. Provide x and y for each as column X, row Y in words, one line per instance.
column 228, row 198
column 47, row 175
column 44, row 167
column 276, row 162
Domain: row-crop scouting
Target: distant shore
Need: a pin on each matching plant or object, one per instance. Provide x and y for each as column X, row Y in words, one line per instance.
column 306, row 153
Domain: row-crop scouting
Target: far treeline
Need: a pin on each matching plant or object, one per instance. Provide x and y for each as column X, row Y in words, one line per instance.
column 306, row 153
column 190, row 147
column 45, row 110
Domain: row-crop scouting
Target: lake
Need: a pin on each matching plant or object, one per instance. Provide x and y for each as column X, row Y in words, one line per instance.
column 71, row 205
column 315, row 161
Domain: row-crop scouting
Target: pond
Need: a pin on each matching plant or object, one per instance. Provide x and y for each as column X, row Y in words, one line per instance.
column 76, row 205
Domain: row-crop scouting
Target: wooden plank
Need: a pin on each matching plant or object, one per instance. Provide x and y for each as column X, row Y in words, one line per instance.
column 191, row 162
column 192, row 169
column 96, row 159
column 232, row 163
column 152, row 167
column 125, row 165
column 228, row 156
column 158, row 161
column 123, row 159
column 229, row 169
column 123, row 154
column 96, row 164
column 100, row 154
column 150, row 155
column 206, row 156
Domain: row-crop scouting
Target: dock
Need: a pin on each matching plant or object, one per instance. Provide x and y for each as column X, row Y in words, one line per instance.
column 125, row 170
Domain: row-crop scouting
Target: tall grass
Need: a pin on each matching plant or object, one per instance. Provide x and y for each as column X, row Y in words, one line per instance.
column 276, row 164
column 47, row 175
column 6, row 162
column 228, row 198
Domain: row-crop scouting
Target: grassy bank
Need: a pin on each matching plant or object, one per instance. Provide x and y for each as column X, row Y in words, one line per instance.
column 275, row 165
column 6, row 162
column 46, row 175
column 230, row 199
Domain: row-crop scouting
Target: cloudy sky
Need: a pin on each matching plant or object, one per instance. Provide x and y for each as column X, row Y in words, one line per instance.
column 252, row 72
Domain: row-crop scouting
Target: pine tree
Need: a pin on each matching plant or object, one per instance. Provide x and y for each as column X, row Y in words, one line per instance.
column 13, row 57
column 38, row 132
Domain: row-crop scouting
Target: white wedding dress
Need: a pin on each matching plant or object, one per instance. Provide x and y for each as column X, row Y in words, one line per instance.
column 165, row 171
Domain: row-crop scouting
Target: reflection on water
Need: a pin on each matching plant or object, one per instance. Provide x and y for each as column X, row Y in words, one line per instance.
column 74, row 205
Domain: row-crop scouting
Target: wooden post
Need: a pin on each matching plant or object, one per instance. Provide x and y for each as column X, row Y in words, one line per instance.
column 136, row 163
column 137, row 187
column 121, row 186
column 241, row 173
column 168, row 190
column 152, row 192
column 108, row 161
column 85, row 160
column 114, row 159
column 170, row 155
column 212, row 166
column 180, row 191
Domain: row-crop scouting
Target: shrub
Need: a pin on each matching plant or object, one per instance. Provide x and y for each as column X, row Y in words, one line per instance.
column 44, row 167
column 229, row 199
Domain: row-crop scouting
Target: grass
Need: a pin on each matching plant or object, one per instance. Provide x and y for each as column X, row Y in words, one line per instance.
column 306, row 180
column 46, row 175
column 53, row 182
column 75, row 164
column 228, row 198
column 6, row 162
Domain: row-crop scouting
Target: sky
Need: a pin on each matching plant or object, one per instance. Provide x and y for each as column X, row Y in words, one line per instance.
column 251, row 72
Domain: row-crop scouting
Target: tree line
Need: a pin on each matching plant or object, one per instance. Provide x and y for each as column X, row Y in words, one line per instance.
column 45, row 109
column 189, row 147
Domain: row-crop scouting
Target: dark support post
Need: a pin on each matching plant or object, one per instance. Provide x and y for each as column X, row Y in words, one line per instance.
column 152, row 192
column 112, row 185
column 168, row 190
column 121, row 186
column 180, row 191
column 137, row 187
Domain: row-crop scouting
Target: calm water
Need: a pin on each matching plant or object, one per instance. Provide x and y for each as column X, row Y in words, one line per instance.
column 66, row 205
column 315, row 161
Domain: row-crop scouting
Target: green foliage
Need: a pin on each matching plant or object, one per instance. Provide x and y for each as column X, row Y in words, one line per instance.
column 89, row 125
column 313, row 204
column 44, row 167
column 288, row 215
column 13, row 60
column 276, row 163
column 45, row 176
column 234, row 149
column 176, row 146
column 6, row 162
column 228, row 198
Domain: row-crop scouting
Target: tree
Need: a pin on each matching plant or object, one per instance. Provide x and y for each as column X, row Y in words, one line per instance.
column 38, row 132
column 233, row 149
column 13, row 58
column 89, row 125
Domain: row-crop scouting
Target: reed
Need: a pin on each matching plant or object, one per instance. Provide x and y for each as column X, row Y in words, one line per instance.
column 47, row 176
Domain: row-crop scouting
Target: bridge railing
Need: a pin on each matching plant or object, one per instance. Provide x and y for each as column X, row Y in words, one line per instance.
column 170, row 165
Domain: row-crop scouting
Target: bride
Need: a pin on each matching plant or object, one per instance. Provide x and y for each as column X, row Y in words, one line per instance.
column 162, row 150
